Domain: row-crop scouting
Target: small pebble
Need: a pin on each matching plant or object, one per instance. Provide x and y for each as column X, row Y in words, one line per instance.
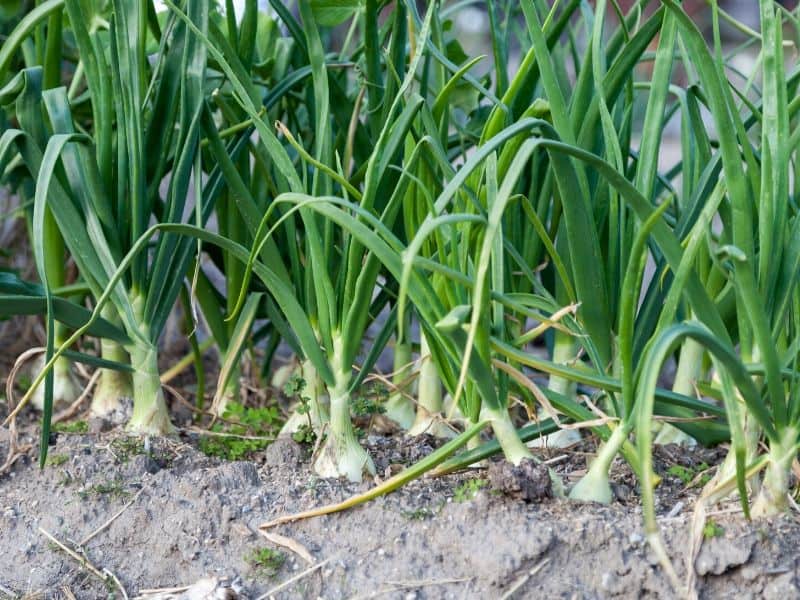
column 608, row 581
column 635, row 539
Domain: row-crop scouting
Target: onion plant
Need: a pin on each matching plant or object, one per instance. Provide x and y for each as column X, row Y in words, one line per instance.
column 756, row 247
column 335, row 275
column 241, row 43
column 614, row 228
column 42, row 37
column 103, row 187
column 587, row 237
column 522, row 222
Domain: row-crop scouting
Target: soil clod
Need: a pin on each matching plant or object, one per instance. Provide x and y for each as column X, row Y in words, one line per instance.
column 284, row 451
column 529, row 481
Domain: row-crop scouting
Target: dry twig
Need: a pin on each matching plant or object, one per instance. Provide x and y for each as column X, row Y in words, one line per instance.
column 15, row 450
column 522, row 580
column 105, row 575
column 294, row 579
column 289, row 543
column 73, row 408
column 108, row 523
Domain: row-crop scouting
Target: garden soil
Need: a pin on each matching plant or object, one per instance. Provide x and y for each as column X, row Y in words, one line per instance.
column 169, row 522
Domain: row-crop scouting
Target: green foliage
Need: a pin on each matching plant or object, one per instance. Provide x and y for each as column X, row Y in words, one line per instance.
column 509, row 219
column 469, row 489
column 56, row 460
column 265, row 562
column 691, row 475
column 236, row 432
column 294, row 387
column 112, row 489
column 71, row 427
column 305, row 434
column 418, row 514
column 9, row 9
column 712, row 529
column 369, row 404
column 330, row 13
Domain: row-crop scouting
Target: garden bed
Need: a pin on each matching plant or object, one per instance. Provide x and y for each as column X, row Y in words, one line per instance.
column 186, row 516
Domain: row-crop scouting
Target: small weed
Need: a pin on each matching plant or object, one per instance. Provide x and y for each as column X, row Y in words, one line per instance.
column 294, row 389
column 294, row 386
column 712, row 529
column 123, row 448
column 71, row 427
column 368, row 405
column 685, row 474
column 114, row 489
column 305, row 434
column 266, row 562
column 56, row 460
column 688, row 475
column 469, row 489
column 419, row 514
column 242, row 424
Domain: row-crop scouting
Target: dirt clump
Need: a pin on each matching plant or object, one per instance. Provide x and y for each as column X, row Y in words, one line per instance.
column 528, row 481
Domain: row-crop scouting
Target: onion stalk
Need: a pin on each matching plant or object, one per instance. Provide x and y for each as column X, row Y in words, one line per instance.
column 399, row 407
column 430, row 405
column 112, row 386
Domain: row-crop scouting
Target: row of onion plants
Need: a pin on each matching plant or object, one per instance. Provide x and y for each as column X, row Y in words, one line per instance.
column 343, row 180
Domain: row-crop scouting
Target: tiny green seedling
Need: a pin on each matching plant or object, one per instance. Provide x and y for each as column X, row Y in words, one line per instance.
column 366, row 406
column 123, row 448
column 113, row 489
column 712, row 529
column 56, row 460
column 418, row 514
column 689, row 475
column 294, row 387
column 469, row 489
column 305, row 434
column 71, row 427
column 265, row 562
column 245, row 430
